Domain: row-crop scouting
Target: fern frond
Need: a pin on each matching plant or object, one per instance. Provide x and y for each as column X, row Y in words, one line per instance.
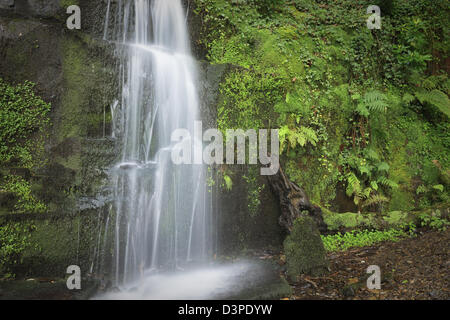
column 377, row 106
column 375, row 101
column 371, row 154
column 436, row 98
column 387, row 182
column 374, row 199
column 365, row 169
column 374, row 185
column 362, row 110
column 408, row 98
column 383, row 166
column 310, row 135
column 353, row 184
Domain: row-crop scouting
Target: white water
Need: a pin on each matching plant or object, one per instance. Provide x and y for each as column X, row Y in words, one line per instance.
column 161, row 212
column 197, row 284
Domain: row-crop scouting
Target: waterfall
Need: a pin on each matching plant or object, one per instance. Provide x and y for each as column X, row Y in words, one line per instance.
column 161, row 211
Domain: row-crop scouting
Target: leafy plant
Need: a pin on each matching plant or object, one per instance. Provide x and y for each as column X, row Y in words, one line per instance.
column 290, row 138
column 342, row 242
column 23, row 121
column 14, row 239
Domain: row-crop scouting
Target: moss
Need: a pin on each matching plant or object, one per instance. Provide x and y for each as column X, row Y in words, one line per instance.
column 76, row 85
column 304, row 250
column 57, row 242
column 68, row 3
column 396, row 218
column 392, row 219
column 348, row 220
column 23, row 123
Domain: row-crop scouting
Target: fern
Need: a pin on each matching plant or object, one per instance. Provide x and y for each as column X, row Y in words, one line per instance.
column 362, row 110
column 371, row 154
column 374, row 199
column 297, row 136
column 365, row 169
column 353, row 184
column 374, row 185
column 292, row 104
column 408, row 98
column 375, row 101
column 387, row 182
column 383, row 166
column 435, row 98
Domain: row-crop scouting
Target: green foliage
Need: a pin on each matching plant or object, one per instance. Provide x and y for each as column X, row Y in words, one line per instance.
column 342, row 242
column 355, row 107
column 228, row 182
column 23, row 123
column 297, row 136
column 433, row 221
column 434, row 92
column 373, row 101
column 14, row 239
column 253, row 190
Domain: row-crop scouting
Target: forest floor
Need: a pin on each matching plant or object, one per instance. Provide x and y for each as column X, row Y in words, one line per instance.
column 411, row 269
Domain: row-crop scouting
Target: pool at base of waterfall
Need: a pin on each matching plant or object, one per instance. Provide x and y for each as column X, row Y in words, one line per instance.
column 239, row 280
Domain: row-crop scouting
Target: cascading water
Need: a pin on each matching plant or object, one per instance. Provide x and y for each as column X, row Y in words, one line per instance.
column 162, row 217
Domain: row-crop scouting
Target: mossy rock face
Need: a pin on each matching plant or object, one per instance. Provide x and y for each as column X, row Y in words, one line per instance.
column 239, row 229
column 304, row 250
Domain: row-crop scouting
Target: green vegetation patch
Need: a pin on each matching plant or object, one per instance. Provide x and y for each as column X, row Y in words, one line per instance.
column 342, row 242
column 304, row 250
column 23, row 123
column 361, row 112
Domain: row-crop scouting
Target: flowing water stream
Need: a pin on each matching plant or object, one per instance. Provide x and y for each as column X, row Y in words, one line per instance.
column 162, row 216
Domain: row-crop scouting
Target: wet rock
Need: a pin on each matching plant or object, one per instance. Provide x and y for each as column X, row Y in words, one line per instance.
column 35, row 8
column 305, row 253
column 6, row 4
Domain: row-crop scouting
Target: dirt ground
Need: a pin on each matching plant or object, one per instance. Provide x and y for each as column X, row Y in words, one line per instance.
column 411, row 269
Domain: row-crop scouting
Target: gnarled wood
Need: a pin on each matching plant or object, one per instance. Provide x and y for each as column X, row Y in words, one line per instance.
column 293, row 201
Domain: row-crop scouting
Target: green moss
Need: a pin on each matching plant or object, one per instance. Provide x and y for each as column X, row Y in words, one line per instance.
column 14, row 240
column 75, row 72
column 348, row 220
column 23, row 122
column 396, row 218
column 57, row 242
column 304, row 250
column 67, row 3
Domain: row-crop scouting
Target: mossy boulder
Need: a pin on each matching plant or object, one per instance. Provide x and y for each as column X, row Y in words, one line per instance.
column 304, row 250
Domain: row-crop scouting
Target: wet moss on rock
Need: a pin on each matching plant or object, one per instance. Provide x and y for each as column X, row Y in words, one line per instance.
column 304, row 250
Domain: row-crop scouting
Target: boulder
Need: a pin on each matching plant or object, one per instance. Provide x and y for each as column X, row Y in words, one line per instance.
column 304, row 250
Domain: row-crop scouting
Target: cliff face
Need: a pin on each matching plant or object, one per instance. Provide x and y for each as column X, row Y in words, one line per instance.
column 76, row 72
